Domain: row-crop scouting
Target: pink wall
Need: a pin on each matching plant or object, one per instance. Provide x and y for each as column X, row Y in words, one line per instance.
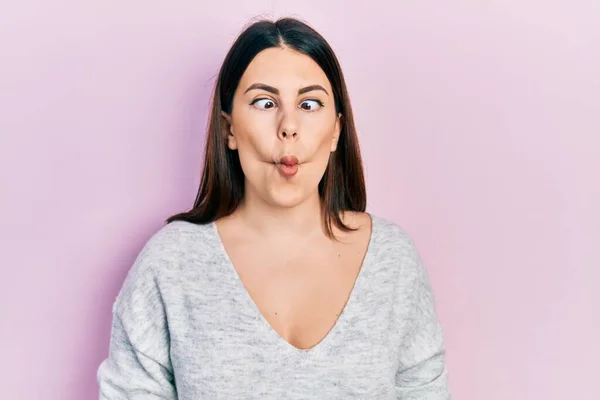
column 480, row 126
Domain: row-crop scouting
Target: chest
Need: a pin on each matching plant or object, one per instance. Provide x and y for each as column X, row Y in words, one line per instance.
column 237, row 355
column 224, row 347
column 299, row 291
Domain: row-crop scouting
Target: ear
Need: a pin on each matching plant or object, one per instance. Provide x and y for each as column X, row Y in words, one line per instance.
column 336, row 133
column 227, row 131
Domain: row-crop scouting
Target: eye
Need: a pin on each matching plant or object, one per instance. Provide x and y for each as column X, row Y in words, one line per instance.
column 311, row 105
column 263, row 104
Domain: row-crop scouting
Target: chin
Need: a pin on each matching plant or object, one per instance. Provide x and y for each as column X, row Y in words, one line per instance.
column 286, row 197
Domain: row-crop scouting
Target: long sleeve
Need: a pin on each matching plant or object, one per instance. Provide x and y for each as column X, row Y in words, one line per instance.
column 138, row 365
column 422, row 374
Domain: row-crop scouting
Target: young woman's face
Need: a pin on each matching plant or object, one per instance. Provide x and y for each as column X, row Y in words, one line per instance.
column 283, row 125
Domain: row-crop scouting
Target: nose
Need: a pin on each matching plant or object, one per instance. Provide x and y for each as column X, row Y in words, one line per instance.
column 288, row 127
column 285, row 135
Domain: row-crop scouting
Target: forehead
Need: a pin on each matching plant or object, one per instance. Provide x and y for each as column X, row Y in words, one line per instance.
column 283, row 68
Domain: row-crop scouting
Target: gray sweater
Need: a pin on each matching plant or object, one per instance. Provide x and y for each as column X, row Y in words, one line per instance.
column 184, row 327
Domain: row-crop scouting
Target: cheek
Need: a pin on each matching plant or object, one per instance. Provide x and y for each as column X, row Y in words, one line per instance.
column 319, row 139
column 255, row 142
column 253, row 154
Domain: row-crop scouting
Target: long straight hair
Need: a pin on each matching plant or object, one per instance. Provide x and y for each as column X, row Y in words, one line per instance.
column 342, row 187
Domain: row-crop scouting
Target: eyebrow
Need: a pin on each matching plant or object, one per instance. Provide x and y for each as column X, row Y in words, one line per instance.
column 273, row 90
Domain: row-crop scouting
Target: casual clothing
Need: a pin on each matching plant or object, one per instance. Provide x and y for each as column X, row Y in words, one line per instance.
column 184, row 327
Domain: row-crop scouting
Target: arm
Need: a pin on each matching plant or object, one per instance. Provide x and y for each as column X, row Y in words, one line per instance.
column 138, row 365
column 422, row 374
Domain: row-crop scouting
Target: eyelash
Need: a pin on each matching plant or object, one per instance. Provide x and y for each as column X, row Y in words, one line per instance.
column 319, row 102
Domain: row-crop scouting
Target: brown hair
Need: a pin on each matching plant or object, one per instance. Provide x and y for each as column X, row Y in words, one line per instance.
column 221, row 190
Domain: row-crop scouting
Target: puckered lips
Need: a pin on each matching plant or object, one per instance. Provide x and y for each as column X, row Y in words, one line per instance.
column 288, row 166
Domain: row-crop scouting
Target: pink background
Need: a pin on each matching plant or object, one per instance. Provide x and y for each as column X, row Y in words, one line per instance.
column 480, row 126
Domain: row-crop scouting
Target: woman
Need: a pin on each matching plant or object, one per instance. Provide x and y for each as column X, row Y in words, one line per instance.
column 277, row 284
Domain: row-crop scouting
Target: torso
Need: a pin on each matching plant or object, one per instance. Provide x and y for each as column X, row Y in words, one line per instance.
column 223, row 344
column 300, row 288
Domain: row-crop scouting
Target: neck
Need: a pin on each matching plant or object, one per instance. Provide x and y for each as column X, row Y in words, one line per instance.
column 301, row 220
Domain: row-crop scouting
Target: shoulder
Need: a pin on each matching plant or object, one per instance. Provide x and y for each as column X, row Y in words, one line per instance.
column 385, row 234
column 392, row 245
column 166, row 251
column 169, row 243
column 392, row 236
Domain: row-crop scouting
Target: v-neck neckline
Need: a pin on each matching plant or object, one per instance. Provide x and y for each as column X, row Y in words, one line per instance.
column 260, row 318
